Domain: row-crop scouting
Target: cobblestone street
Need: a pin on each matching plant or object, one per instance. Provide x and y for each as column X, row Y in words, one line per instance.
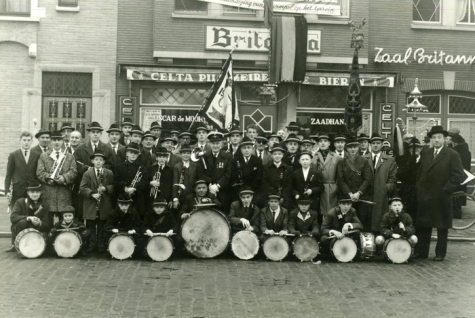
column 97, row 286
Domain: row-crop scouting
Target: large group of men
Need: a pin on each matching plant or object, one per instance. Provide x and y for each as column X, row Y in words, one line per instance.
column 318, row 184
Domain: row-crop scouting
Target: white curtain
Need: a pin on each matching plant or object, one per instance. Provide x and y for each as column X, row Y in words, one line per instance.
column 17, row 6
column 461, row 9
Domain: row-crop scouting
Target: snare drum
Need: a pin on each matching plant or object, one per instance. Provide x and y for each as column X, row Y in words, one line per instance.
column 206, row 233
column 368, row 245
column 30, row 243
column 397, row 250
column 159, row 248
column 275, row 248
column 343, row 250
column 67, row 244
column 121, row 246
column 306, row 248
column 245, row 245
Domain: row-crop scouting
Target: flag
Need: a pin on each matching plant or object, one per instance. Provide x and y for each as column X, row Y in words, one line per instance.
column 220, row 106
column 353, row 110
column 288, row 53
column 469, row 175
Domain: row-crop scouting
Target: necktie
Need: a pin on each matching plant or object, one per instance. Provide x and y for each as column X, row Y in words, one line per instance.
column 293, row 159
column 273, row 214
column 115, row 149
column 44, row 149
column 374, row 161
column 436, row 152
column 94, row 147
column 57, row 155
column 97, row 173
column 26, row 153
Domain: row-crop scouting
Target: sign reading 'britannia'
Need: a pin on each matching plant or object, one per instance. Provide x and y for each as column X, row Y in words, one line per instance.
column 251, row 39
column 320, row 7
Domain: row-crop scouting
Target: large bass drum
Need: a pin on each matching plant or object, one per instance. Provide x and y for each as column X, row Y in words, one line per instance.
column 206, row 233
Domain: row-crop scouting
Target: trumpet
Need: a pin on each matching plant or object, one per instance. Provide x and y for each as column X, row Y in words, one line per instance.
column 57, row 166
column 156, row 177
column 197, row 154
column 137, row 178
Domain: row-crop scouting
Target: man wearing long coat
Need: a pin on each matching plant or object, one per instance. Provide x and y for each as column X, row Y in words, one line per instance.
column 440, row 173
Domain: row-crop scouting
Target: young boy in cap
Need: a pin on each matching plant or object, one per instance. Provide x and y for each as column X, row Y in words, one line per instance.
column 277, row 178
column 303, row 220
column 396, row 224
column 292, row 143
column 244, row 215
column 160, row 219
column 235, row 136
column 201, row 134
column 160, row 178
column 200, row 196
column 307, row 180
column 124, row 218
column 144, row 156
column 131, row 178
column 273, row 218
column 339, row 221
column 97, row 186
column 70, row 222
column 29, row 213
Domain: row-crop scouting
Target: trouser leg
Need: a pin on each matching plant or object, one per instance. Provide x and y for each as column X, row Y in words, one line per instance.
column 441, row 247
column 91, row 225
column 424, row 234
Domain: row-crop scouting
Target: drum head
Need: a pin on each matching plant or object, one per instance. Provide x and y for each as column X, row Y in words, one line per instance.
column 159, row 248
column 206, row 233
column 67, row 244
column 275, row 248
column 30, row 243
column 306, row 248
column 398, row 250
column 245, row 245
column 121, row 246
column 344, row 250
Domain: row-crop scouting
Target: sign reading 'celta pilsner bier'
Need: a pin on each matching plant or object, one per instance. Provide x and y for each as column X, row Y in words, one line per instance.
column 251, row 39
column 420, row 56
column 321, row 7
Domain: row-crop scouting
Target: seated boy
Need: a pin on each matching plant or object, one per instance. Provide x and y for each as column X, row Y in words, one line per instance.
column 124, row 218
column 201, row 196
column 29, row 213
column 302, row 220
column 244, row 215
column 396, row 224
column 273, row 218
column 160, row 219
column 70, row 222
column 339, row 221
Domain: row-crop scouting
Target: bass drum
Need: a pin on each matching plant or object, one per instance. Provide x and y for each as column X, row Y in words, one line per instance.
column 159, row 248
column 343, row 250
column 121, row 246
column 397, row 250
column 275, row 248
column 206, row 233
column 368, row 245
column 245, row 245
column 306, row 248
column 67, row 244
column 30, row 243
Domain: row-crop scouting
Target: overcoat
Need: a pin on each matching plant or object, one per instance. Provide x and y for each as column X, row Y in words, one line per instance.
column 237, row 211
column 328, row 167
column 56, row 196
column 438, row 178
column 314, row 182
column 189, row 179
column 275, row 180
column 307, row 224
column 19, row 172
column 89, row 185
column 354, row 175
column 466, row 157
column 407, row 175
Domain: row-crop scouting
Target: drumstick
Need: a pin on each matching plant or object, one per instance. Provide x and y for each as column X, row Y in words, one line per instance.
column 73, row 228
column 159, row 234
column 365, row 201
column 349, row 232
column 277, row 234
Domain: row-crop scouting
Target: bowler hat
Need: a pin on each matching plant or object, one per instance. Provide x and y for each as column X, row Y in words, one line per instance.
column 437, row 130
column 376, row 137
column 41, row 132
column 124, row 198
column 133, row 146
column 33, row 185
column 114, row 128
column 95, row 126
column 304, row 199
column 98, row 154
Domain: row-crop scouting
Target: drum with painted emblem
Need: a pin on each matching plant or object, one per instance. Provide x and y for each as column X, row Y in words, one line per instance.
column 245, row 245
column 397, row 250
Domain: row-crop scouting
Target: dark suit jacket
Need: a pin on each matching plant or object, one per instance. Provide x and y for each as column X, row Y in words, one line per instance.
column 271, row 180
column 335, row 220
column 88, row 187
column 145, row 158
column 267, row 157
column 354, row 176
column 84, row 152
column 267, row 220
column 228, row 149
column 304, row 226
column 237, row 212
column 189, row 180
column 115, row 159
column 292, row 160
column 19, row 172
column 249, row 174
column 314, row 182
column 38, row 149
column 191, row 201
column 23, row 208
column 218, row 172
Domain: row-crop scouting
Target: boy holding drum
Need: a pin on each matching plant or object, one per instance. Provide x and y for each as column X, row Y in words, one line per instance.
column 303, row 220
column 244, row 215
column 70, row 222
column 201, row 196
column 273, row 218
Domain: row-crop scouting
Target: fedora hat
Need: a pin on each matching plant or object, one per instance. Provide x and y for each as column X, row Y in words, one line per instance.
column 340, row 138
column 201, row 127
column 292, row 125
column 458, row 139
column 127, row 122
column 185, row 148
column 352, row 142
column 437, row 130
column 235, row 130
column 133, row 146
column 273, row 196
column 95, row 126
column 136, row 130
column 56, row 135
column 184, row 134
column 246, row 142
column 292, row 138
column 274, row 135
column 169, row 138
column 114, row 128
column 262, row 137
column 362, row 137
column 375, row 137
column 155, row 125
column 277, row 147
column 323, row 136
column 149, row 134
column 66, row 126
column 41, row 132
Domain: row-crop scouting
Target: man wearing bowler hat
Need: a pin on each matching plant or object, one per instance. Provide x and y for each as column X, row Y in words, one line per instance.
column 44, row 140
column 441, row 172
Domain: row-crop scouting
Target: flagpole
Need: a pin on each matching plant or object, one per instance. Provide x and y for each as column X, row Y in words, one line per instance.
column 194, row 117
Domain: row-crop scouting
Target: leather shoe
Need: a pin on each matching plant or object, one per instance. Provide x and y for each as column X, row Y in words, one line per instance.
column 438, row 259
column 11, row 249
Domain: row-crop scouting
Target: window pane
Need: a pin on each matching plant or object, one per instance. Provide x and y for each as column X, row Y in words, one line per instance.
column 14, row 7
column 426, row 10
column 68, row 3
column 329, row 97
column 461, row 105
column 174, row 96
column 231, row 9
column 67, row 84
column 431, row 101
column 191, row 5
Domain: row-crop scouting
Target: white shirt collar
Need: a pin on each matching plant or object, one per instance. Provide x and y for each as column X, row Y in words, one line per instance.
column 437, row 151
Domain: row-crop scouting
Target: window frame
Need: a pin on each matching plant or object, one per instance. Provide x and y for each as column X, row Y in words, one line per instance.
column 448, row 105
column 441, row 15
column 62, row 3
column 198, row 13
column 426, row 95
column 18, row 14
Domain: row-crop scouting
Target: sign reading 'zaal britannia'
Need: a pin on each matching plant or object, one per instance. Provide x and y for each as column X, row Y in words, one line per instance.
column 421, row 56
column 321, row 7
column 251, row 39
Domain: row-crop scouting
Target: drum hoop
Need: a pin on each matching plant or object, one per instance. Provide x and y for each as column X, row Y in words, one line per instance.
column 118, row 235
column 278, row 238
column 332, row 244
column 253, row 235
column 305, row 238
column 385, row 247
column 160, row 237
column 22, row 234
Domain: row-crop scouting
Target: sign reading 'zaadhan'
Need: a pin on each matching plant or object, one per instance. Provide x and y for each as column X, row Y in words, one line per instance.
column 420, row 56
column 321, row 7
column 251, row 39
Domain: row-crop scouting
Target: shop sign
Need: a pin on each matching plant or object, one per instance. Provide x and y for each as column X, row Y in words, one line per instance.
column 344, row 79
column 251, row 39
column 320, row 7
column 420, row 56
column 326, row 122
column 168, row 118
column 387, row 124
column 193, row 77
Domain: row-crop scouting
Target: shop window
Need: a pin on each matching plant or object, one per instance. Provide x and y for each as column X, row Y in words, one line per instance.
column 465, row 11
column 461, row 105
column 426, row 10
column 330, row 97
column 173, row 96
column 191, row 6
column 250, row 92
column 68, row 3
column 431, row 101
column 15, row 7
